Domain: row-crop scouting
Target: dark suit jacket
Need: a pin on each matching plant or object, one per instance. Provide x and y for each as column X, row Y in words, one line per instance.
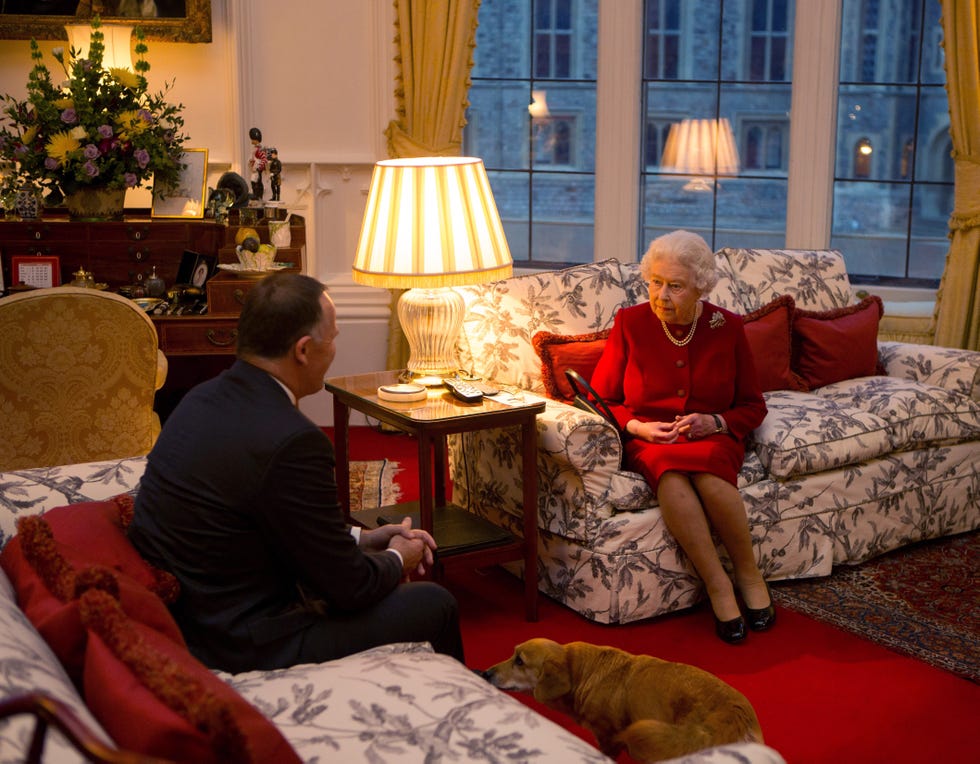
column 239, row 502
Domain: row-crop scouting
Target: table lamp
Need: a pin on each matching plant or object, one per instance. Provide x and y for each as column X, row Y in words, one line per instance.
column 431, row 223
column 704, row 148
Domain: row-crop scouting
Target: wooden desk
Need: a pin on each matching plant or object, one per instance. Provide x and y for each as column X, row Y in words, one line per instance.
column 430, row 421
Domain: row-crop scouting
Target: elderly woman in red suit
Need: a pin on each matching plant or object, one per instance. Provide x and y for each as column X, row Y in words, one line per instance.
column 679, row 377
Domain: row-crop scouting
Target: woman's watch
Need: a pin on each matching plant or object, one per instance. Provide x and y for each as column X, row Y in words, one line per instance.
column 719, row 423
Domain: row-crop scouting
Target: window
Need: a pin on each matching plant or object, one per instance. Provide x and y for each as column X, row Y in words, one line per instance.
column 731, row 71
column 540, row 161
column 568, row 194
column 892, row 186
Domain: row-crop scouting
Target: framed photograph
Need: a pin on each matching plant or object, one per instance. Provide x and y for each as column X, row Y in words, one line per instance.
column 195, row 269
column 35, row 270
column 173, row 21
column 187, row 199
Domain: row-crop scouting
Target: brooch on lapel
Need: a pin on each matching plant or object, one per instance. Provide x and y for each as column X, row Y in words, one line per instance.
column 717, row 319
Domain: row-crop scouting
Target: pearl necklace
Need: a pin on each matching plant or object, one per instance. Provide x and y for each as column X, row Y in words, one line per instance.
column 690, row 334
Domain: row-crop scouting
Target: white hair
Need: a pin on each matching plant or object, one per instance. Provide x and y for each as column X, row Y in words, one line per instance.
column 686, row 249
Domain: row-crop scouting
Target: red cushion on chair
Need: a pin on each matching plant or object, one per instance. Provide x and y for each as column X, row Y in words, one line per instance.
column 52, row 558
column 558, row 352
column 769, row 332
column 834, row 345
column 154, row 698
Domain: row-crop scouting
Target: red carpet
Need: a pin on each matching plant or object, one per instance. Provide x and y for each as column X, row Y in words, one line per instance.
column 822, row 694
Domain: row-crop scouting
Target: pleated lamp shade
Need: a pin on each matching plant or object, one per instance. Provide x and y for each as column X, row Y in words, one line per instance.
column 117, row 41
column 701, row 147
column 431, row 222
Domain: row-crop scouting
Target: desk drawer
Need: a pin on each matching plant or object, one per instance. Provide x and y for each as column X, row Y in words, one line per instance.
column 194, row 335
column 226, row 296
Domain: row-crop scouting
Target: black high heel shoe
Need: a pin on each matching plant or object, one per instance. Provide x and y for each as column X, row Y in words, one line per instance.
column 762, row 618
column 732, row 631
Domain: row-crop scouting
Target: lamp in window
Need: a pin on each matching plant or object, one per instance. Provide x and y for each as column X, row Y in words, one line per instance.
column 538, row 107
column 431, row 223
column 702, row 148
column 117, row 41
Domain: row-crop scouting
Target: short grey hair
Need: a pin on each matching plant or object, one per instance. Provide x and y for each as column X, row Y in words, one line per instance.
column 687, row 249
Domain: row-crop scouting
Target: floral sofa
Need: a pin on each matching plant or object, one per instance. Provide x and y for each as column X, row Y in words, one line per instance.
column 398, row 703
column 841, row 469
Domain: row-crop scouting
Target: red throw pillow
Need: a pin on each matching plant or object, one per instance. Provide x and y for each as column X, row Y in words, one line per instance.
column 834, row 345
column 56, row 556
column 567, row 351
column 154, row 698
column 769, row 332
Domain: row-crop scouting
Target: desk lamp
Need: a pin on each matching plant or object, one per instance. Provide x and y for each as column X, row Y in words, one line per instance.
column 431, row 223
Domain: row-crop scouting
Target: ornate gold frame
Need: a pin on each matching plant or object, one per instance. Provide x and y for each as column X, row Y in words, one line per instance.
column 195, row 26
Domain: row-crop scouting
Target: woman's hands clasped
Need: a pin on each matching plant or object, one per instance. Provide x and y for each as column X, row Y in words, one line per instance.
column 690, row 426
column 415, row 545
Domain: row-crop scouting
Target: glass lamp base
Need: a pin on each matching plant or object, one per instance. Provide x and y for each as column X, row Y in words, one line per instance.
column 431, row 320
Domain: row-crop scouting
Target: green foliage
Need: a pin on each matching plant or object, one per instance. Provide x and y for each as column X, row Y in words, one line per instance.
column 100, row 128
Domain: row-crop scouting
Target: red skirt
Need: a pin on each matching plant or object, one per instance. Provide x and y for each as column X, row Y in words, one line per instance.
column 720, row 455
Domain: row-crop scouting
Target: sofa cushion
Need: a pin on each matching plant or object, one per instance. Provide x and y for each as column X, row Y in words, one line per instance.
column 185, row 712
column 917, row 414
column 834, row 345
column 815, row 279
column 36, row 490
column 502, row 318
column 404, row 703
column 805, row 433
column 769, row 332
column 28, row 665
column 53, row 553
column 558, row 352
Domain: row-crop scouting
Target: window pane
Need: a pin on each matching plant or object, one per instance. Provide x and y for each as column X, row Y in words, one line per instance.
column 751, row 98
column 541, row 162
column 893, row 189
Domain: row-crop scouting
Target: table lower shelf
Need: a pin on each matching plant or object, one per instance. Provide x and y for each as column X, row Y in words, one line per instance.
column 456, row 531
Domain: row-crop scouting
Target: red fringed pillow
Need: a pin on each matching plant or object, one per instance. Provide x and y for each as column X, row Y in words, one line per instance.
column 834, row 345
column 567, row 351
column 153, row 697
column 56, row 556
column 769, row 332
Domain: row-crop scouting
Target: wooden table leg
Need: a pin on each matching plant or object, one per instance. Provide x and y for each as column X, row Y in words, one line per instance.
column 341, row 445
column 529, row 436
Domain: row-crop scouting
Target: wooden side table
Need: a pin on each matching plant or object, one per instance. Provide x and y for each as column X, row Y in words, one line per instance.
column 430, row 421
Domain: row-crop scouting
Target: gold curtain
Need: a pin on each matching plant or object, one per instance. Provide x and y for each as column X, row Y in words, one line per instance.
column 958, row 299
column 435, row 41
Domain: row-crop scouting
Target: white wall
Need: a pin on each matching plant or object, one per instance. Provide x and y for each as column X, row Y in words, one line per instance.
column 317, row 77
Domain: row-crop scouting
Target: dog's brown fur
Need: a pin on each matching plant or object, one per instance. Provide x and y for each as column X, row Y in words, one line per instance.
column 656, row 709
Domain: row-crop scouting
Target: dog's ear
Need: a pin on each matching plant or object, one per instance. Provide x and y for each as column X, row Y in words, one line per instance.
column 553, row 680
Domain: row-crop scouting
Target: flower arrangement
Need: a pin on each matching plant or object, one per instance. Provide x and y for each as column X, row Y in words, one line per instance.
column 99, row 129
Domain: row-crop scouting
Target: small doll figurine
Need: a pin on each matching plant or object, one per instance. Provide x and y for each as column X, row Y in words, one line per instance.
column 257, row 163
column 275, row 173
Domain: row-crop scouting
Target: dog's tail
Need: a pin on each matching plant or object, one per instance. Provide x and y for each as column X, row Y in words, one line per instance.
column 651, row 740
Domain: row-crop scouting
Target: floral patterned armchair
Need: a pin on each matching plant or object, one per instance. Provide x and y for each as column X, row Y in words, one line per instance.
column 836, row 474
column 78, row 372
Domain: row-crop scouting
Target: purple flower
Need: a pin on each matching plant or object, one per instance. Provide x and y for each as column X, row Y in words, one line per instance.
column 50, row 163
column 91, row 151
column 142, row 158
column 105, row 131
column 130, row 179
column 90, row 169
column 69, row 117
column 146, row 115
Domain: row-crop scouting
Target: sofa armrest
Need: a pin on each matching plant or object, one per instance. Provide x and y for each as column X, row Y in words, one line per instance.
column 580, row 481
column 950, row 368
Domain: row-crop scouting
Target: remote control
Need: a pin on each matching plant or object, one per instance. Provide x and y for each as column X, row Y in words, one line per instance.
column 463, row 390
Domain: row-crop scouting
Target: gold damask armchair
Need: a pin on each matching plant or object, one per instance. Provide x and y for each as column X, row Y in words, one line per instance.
column 78, row 372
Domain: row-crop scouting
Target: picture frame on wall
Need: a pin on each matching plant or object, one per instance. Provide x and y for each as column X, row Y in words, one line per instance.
column 188, row 197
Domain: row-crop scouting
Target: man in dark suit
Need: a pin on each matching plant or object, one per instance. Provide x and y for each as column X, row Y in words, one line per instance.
column 239, row 502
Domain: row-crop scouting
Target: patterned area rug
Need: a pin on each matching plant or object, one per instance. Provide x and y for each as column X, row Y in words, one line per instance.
column 922, row 601
column 372, row 484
